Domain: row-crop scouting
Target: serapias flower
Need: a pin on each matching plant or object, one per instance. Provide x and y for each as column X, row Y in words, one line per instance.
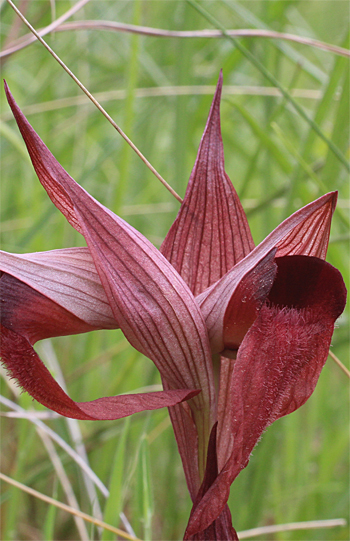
column 239, row 333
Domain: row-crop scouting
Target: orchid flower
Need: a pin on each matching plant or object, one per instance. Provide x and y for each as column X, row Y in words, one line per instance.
column 238, row 333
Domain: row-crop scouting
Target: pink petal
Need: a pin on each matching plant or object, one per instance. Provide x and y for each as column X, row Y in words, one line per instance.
column 292, row 336
column 231, row 305
column 305, row 232
column 68, row 278
column 155, row 309
column 211, row 233
column 34, row 316
column 45, row 165
column 50, row 173
column 187, row 441
column 304, row 282
column 297, row 233
column 309, row 236
column 153, row 306
column 278, row 363
column 224, row 438
column 24, row 365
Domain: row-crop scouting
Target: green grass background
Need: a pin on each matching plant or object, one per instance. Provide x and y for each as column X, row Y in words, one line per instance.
column 300, row 469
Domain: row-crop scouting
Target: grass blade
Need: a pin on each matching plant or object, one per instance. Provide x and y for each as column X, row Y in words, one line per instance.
column 95, row 102
column 275, row 82
column 66, row 508
column 114, row 502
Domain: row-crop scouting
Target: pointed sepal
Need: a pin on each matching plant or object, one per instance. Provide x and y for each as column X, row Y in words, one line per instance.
column 68, row 278
column 211, row 232
column 152, row 304
column 249, row 282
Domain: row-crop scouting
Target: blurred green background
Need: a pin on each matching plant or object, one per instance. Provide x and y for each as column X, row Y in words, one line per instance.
column 156, row 89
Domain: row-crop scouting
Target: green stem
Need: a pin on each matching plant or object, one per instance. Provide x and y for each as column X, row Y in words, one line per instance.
column 124, row 169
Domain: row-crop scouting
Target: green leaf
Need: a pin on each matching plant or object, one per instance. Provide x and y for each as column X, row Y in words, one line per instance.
column 114, row 503
column 265, row 139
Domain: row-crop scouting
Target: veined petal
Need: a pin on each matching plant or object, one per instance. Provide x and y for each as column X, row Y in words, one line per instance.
column 68, row 278
column 310, row 236
column 301, row 232
column 33, row 315
column 278, row 363
column 25, row 366
column 231, row 305
column 50, row 173
column 154, row 307
column 305, row 232
column 152, row 304
column 211, row 232
column 224, row 438
column 187, row 441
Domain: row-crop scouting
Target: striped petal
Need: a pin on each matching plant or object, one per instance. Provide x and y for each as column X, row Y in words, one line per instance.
column 68, row 278
column 152, row 304
column 221, row 305
column 211, row 232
